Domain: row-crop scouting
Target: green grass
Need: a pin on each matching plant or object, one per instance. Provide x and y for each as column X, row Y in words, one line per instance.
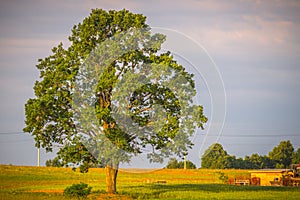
column 48, row 183
column 212, row 191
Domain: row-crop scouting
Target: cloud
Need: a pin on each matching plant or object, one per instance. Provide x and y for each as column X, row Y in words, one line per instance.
column 250, row 33
column 28, row 46
column 254, row 43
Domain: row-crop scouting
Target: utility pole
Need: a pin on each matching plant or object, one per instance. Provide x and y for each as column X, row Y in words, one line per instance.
column 184, row 162
column 38, row 161
column 184, row 159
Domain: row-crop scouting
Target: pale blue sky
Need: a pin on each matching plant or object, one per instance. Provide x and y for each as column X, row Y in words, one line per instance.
column 254, row 44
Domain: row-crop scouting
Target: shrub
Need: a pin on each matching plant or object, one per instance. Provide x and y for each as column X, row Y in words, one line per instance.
column 223, row 177
column 79, row 191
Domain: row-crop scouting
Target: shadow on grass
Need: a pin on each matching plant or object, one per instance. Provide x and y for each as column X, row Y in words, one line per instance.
column 216, row 187
column 154, row 190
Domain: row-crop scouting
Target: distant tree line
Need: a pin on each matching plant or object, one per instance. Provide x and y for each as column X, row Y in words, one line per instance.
column 215, row 157
column 54, row 162
column 174, row 164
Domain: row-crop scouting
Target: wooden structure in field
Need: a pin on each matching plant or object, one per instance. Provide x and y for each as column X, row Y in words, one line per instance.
column 268, row 177
column 241, row 181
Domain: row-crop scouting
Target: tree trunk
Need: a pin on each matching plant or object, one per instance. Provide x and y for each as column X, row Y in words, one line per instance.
column 111, row 179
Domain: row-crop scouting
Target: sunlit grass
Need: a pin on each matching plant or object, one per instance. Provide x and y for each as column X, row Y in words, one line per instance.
column 48, row 183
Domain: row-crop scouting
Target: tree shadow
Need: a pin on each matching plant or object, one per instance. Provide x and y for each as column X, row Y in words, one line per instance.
column 154, row 190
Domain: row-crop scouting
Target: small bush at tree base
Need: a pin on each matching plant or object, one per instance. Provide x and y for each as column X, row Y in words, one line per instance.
column 79, row 191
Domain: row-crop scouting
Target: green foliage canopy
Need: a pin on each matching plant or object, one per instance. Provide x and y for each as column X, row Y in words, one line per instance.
column 282, row 154
column 57, row 116
column 296, row 157
column 215, row 157
column 280, row 157
column 174, row 164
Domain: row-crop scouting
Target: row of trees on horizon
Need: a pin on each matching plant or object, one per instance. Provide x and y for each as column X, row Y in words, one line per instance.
column 282, row 156
column 216, row 157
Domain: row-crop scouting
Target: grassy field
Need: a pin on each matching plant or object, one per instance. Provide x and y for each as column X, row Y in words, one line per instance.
column 48, row 183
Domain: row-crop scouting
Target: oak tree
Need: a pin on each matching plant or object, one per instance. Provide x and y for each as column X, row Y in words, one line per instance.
column 112, row 94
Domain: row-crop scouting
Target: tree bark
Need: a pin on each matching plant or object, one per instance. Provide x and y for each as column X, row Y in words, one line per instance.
column 111, row 179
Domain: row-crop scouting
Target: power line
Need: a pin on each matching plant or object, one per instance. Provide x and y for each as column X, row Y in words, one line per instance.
column 15, row 141
column 262, row 129
column 11, row 133
column 248, row 144
column 251, row 135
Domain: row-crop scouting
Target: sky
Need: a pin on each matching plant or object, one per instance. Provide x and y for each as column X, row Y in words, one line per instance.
column 252, row 48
